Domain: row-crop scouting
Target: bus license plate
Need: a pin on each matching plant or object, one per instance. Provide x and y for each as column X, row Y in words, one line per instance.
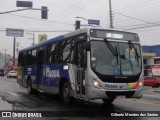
column 121, row 97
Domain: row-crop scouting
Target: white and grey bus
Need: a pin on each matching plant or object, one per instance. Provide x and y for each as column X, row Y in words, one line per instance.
column 89, row 63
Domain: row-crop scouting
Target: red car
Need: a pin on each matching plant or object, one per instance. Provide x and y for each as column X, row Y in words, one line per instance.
column 152, row 81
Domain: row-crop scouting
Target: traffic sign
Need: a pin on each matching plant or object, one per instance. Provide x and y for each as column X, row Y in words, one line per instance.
column 42, row 38
column 14, row 32
column 24, row 4
column 95, row 22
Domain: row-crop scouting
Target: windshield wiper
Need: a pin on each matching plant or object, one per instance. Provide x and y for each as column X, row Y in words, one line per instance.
column 111, row 48
column 132, row 46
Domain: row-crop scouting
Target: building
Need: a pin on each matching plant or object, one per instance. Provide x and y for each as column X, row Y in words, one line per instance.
column 151, row 55
column 151, row 59
column 4, row 60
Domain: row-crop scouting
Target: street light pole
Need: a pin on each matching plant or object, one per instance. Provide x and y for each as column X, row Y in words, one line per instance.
column 110, row 13
column 82, row 18
column 32, row 37
column 91, row 22
column 14, row 45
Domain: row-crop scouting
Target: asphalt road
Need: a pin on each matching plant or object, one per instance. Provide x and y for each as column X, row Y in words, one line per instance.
column 15, row 98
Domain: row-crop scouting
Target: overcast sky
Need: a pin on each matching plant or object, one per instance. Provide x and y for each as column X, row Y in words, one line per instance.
column 139, row 16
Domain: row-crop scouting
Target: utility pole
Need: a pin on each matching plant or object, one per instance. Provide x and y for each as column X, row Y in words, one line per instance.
column 17, row 50
column 110, row 13
column 32, row 37
column 14, row 47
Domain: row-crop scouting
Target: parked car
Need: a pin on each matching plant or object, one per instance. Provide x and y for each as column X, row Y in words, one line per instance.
column 2, row 72
column 152, row 81
column 12, row 74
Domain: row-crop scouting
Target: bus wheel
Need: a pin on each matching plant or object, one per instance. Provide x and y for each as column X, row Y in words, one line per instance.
column 107, row 101
column 67, row 99
column 29, row 86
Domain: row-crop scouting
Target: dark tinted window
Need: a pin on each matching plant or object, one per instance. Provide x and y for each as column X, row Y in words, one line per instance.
column 51, row 53
column 34, row 56
column 68, row 48
column 20, row 59
column 24, row 61
column 29, row 58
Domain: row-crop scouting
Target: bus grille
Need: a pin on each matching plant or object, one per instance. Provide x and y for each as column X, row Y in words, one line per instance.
column 113, row 94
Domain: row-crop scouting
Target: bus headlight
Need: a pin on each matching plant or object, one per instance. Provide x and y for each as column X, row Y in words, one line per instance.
column 140, row 84
column 95, row 82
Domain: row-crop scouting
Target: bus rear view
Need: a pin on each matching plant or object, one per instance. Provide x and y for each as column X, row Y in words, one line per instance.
column 114, row 65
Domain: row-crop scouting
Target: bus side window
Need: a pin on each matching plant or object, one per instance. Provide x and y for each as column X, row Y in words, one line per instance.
column 53, row 53
column 59, row 47
column 68, row 48
column 20, row 59
column 34, row 55
column 24, row 59
column 48, row 51
column 81, row 55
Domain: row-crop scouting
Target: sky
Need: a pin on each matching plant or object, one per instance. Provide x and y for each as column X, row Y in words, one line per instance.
column 139, row 16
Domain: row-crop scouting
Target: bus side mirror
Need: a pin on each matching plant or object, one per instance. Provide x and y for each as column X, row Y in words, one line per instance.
column 87, row 46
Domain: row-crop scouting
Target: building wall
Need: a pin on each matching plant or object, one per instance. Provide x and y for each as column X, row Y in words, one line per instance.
column 150, row 61
column 152, row 49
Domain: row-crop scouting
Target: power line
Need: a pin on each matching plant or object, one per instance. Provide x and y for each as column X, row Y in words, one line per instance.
column 134, row 18
column 147, row 13
column 133, row 5
column 77, row 9
column 68, row 9
column 41, row 19
column 139, row 25
column 142, row 27
column 141, row 8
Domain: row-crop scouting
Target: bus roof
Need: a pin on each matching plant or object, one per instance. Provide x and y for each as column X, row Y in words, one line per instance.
column 83, row 30
column 56, row 39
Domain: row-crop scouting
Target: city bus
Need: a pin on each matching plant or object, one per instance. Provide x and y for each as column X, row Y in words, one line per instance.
column 86, row 64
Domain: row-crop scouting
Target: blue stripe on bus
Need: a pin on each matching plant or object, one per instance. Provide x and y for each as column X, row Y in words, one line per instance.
column 55, row 73
column 49, row 74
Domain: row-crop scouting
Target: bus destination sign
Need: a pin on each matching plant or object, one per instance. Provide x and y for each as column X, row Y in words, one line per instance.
column 113, row 34
column 116, row 36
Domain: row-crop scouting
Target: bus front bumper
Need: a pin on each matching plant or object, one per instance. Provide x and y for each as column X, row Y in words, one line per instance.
column 95, row 93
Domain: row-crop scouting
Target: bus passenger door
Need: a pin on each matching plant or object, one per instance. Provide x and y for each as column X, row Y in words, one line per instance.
column 81, row 66
column 40, row 62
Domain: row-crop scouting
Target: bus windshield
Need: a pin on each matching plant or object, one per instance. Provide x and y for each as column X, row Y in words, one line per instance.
column 127, row 62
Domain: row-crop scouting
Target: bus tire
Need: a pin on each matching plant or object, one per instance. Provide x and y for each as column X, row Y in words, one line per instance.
column 29, row 86
column 107, row 101
column 67, row 99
